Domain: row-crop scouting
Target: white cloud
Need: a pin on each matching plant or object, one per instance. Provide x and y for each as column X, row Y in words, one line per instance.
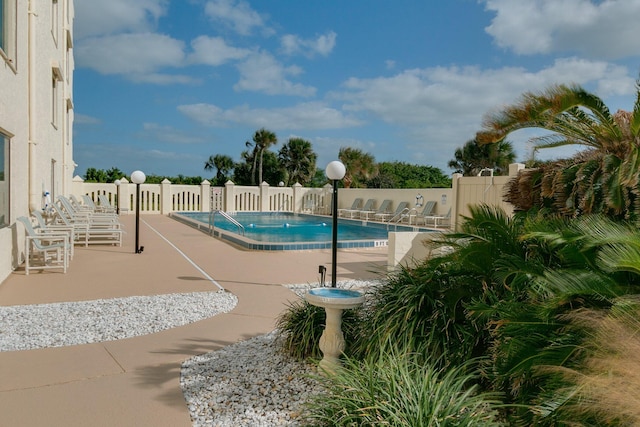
column 214, row 51
column 440, row 95
column 99, row 17
column 262, row 73
column 322, row 45
column 306, row 116
column 137, row 56
column 237, row 15
column 603, row 29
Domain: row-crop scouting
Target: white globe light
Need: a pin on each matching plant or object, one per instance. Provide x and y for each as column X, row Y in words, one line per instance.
column 335, row 170
column 138, row 177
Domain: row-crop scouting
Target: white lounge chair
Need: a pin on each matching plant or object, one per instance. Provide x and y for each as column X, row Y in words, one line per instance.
column 88, row 231
column 439, row 220
column 384, row 208
column 356, row 206
column 427, row 210
column 86, row 214
column 368, row 208
column 47, row 251
column 106, row 204
column 51, row 229
column 403, row 207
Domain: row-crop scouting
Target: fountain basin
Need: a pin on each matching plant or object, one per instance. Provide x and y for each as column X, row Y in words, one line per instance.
column 334, row 301
column 334, row 298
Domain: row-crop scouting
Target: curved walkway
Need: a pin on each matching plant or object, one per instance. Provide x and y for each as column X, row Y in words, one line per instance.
column 136, row 381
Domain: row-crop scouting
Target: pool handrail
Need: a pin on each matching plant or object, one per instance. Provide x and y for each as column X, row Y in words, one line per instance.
column 229, row 218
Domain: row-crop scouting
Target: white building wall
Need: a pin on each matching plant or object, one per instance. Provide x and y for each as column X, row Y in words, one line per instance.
column 40, row 148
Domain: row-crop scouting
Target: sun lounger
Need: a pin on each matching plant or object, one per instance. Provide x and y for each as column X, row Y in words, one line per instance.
column 42, row 227
column 402, row 208
column 356, row 206
column 44, row 251
column 76, row 213
column 384, row 208
column 438, row 220
column 88, row 231
column 427, row 210
column 106, row 205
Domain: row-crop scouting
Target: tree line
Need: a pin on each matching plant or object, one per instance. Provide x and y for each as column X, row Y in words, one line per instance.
column 295, row 162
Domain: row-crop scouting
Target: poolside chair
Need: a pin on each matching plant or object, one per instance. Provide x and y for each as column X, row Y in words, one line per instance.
column 369, row 207
column 88, row 231
column 100, row 208
column 356, row 206
column 51, row 229
column 384, row 208
column 105, row 205
column 46, row 251
column 427, row 210
column 86, row 214
column 439, row 219
column 403, row 208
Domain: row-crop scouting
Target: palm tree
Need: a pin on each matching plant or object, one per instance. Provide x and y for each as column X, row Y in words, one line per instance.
column 253, row 157
column 299, row 160
column 360, row 166
column 603, row 178
column 263, row 139
column 472, row 157
column 223, row 164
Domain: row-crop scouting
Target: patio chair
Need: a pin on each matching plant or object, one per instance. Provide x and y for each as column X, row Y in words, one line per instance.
column 89, row 232
column 46, row 251
column 86, row 214
column 105, row 205
column 384, row 208
column 356, row 206
column 439, row 219
column 369, row 207
column 403, row 208
column 427, row 210
column 42, row 227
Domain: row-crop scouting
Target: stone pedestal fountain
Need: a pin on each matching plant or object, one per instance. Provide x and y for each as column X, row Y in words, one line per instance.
column 334, row 301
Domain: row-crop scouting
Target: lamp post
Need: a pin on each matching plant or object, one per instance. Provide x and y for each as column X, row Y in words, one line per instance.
column 335, row 171
column 138, row 177
column 117, row 183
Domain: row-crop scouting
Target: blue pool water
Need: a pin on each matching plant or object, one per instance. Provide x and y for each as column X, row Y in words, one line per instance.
column 283, row 231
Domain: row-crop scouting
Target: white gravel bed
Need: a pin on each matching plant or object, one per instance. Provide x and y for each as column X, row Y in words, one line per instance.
column 246, row 384
column 26, row 327
column 251, row 383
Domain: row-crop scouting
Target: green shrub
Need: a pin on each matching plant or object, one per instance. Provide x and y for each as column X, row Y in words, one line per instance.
column 401, row 390
column 301, row 325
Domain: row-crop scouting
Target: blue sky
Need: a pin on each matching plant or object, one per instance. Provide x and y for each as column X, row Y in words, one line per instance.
column 161, row 85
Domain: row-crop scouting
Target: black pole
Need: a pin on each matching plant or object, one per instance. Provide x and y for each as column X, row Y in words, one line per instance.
column 137, row 218
column 118, row 199
column 334, row 243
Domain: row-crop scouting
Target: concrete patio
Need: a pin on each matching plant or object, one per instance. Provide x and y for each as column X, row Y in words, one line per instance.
column 136, row 381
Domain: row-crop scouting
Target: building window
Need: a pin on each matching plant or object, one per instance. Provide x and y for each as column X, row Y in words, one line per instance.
column 4, row 180
column 56, row 78
column 54, row 102
column 8, row 31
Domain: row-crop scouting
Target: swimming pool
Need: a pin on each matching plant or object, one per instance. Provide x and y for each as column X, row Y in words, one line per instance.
column 288, row 231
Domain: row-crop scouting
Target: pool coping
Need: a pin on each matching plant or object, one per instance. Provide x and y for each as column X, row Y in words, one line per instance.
column 251, row 244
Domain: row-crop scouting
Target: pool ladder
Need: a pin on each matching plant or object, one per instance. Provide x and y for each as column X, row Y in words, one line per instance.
column 227, row 217
column 399, row 217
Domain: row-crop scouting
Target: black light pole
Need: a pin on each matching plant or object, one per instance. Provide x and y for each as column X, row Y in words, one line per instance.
column 117, row 183
column 138, row 177
column 335, row 171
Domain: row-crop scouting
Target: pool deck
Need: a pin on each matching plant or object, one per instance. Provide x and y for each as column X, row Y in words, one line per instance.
column 136, row 381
